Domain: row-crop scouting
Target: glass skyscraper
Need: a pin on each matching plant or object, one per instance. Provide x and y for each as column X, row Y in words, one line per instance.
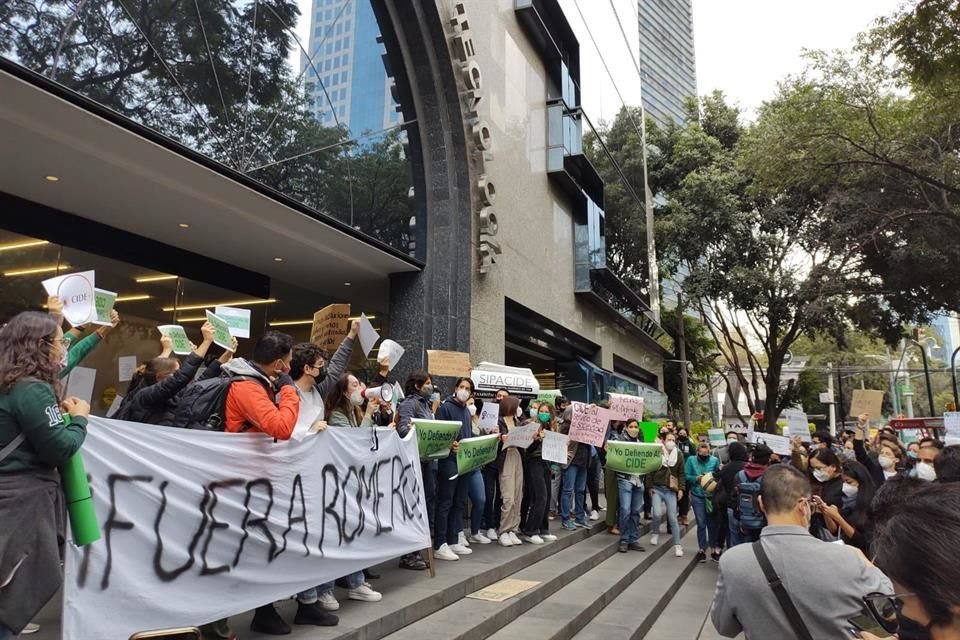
column 667, row 60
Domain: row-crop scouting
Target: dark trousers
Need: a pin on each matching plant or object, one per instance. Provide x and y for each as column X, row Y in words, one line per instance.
column 593, row 482
column 536, row 483
column 491, row 508
column 429, row 490
column 451, row 502
column 683, row 506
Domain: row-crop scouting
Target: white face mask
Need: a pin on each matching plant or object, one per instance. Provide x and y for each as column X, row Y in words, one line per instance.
column 850, row 490
column 886, row 463
column 925, row 471
column 356, row 398
column 533, row 412
column 472, row 408
column 463, row 395
column 821, row 475
column 670, row 446
column 732, row 440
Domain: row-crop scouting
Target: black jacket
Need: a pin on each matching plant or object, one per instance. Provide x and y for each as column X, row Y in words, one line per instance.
column 157, row 403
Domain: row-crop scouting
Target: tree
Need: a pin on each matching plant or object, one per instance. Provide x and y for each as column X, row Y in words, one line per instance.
column 701, row 352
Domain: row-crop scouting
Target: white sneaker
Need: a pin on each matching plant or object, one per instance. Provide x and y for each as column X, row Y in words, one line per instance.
column 514, row 538
column 548, row 537
column 445, row 553
column 534, row 539
column 479, row 539
column 678, row 551
column 32, row 627
column 461, row 550
column 654, row 539
column 594, row 516
column 462, row 540
column 364, row 594
column 329, row 602
column 505, row 540
column 491, row 534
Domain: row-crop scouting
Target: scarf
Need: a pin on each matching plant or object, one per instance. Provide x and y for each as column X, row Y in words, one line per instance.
column 670, row 458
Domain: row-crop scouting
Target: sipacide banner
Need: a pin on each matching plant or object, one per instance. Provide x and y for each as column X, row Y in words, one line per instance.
column 201, row 525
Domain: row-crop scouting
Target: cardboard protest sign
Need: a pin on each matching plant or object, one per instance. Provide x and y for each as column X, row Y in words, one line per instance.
column 76, row 290
column 221, row 331
column 238, row 320
column 554, row 448
column 330, row 326
column 521, row 437
column 624, row 407
column 866, row 401
column 476, row 452
column 634, row 457
column 368, row 335
column 434, row 437
column 589, row 424
column 490, row 417
column 103, row 301
column 448, row 363
column 797, row 425
column 181, row 343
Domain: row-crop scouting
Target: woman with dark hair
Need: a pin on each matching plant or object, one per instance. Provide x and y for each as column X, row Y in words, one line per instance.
column 343, row 402
column 827, row 484
column 852, row 519
column 416, row 404
column 34, row 440
column 536, row 478
column 511, row 476
column 452, row 493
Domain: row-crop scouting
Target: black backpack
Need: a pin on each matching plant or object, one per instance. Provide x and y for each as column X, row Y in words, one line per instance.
column 203, row 404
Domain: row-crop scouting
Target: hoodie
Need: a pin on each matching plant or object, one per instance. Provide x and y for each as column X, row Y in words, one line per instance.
column 249, row 404
column 451, row 409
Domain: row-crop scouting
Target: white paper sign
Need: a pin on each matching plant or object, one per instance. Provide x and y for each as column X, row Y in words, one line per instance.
column 280, row 494
column 717, row 437
column 624, row 407
column 797, row 425
column 76, row 292
column 826, row 398
column 951, row 422
column 127, row 366
column 490, row 417
column 555, row 447
column 751, row 433
column 368, row 335
column 80, row 383
column 115, row 405
column 305, row 420
column 238, row 320
column 777, row 444
column 392, row 351
column 521, row 437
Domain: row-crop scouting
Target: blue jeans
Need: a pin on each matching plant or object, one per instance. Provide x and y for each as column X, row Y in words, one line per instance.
column 631, row 506
column 665, row 500
column 733, row 529
column 476, row 490
column 310, row 596
column 451, row 500
column 5, row 634
column 705, row 524
column 574, row 483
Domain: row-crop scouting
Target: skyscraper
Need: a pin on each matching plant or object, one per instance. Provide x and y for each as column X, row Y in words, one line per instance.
column 667, row 60
column 347, row 58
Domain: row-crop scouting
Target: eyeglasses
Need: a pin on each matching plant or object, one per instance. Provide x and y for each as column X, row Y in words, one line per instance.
column 885, row 608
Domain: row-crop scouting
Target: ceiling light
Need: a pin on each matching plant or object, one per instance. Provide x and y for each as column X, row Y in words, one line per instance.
column 231, row 303
column 193, row 319
column 278, row 259
column 22, row 245
column 289, row 323
column 133, row 297
column 143, row 279
column 184, row 225
column 358, row 317
column 51, row 178
column 346, row 284
column 33, row 270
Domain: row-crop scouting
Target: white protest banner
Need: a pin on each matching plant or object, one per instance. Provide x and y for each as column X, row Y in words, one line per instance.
column 797, row 425
column 238, row 321
column 391, row 352
column 126, row 366
column 103, row 301
column 951, row 422
column 76, row 292
column 624, row 407
column 555, row 447
column 221, row 331
column 189, row 516
column 80, row 383
column 777, row 444
column 368, row 335
column 717, row 437
column 588, row 424
column 181, row 343
column 751, row 433
column 490, row 417
column 521, row 437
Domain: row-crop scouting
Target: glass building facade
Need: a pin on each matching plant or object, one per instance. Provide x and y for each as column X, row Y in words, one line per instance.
column 667, row 59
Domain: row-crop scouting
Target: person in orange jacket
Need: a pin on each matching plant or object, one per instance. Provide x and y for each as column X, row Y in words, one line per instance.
column 267, row 401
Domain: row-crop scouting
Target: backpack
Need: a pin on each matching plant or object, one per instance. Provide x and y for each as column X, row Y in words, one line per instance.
column 746, row 495
column 203, row 405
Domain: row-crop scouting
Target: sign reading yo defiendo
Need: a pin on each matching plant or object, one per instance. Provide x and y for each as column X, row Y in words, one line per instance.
column 634, row 457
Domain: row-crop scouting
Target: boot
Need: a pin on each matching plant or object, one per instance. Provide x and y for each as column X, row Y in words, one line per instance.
column 266, row 620
column 314, row 614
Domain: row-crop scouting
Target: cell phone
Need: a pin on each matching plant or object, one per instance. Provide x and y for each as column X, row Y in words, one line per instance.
column 867, row 623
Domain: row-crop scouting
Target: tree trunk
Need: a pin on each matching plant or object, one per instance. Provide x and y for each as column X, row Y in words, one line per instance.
column 771, row 410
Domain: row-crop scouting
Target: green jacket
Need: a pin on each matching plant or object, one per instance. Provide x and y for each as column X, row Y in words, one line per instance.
column 76, row 352
column 31, row 408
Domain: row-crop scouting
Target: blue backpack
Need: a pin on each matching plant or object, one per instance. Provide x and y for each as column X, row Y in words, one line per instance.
column 747, row 502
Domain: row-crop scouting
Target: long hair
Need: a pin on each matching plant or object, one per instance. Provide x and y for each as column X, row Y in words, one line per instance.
column 25, row 344
column 867, row 489
column 508, row 408
column 337, row 399
column 552, row 424
column 146, row 374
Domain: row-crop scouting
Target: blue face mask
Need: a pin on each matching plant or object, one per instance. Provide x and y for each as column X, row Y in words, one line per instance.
column 913, row 455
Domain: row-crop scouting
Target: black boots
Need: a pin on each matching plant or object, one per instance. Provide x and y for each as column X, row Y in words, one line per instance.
column 314, row 614
column 267, row 620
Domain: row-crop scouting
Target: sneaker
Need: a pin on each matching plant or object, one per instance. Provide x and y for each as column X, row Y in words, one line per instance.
column 461, row 550
column 636, row 546
column 32, row 627
column 678, row 551
column 701, row 556
column 444, row 553
column 534, row 539
column 413, row 562
column 548, row 537
column 514, row 538
column 568, row 525
column 623, row 547
column 479, row 539
column 491, row 534
column 716, row 556
column 552, row 515
column 364, row 593
column 585, row 525
column 314, row 614
column 505, row 540
column 462, row 540
column 654, row 539
column 594, row 515
column 329, row 602
column 266, row 620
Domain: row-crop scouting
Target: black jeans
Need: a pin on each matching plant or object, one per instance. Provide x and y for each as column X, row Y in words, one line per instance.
column 593, row 482
column 451, row 503
column 536, row 480
column 429, row 490
column 491, row 508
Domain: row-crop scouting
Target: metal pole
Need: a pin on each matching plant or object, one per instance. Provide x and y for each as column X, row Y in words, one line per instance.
column 833, row 405
column 926, row 375
column 953, row 377
column 841, row 414
column 684, row 388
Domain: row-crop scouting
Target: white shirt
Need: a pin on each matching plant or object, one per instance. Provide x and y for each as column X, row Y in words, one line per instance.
column 312, row 400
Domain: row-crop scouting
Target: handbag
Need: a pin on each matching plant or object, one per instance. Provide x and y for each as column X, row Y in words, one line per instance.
column 674, row 484
column 776, row 584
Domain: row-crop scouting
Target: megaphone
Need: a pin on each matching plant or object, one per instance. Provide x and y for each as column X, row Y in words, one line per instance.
column 383, row 393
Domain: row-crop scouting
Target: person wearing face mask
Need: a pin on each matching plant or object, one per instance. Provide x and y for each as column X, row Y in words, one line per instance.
column 850, row 521
column 34, row 440
column 926, row 458
column 827, row 488
column 476, row 489
column 669, row 484
column 344, row 401
column 452, row 494
column 696, row 468
column 825, row 582
column 536, row 481
column 688, row 449
column 728, row 475
column 631, row 488
column 888, row 459
column 511, row 477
